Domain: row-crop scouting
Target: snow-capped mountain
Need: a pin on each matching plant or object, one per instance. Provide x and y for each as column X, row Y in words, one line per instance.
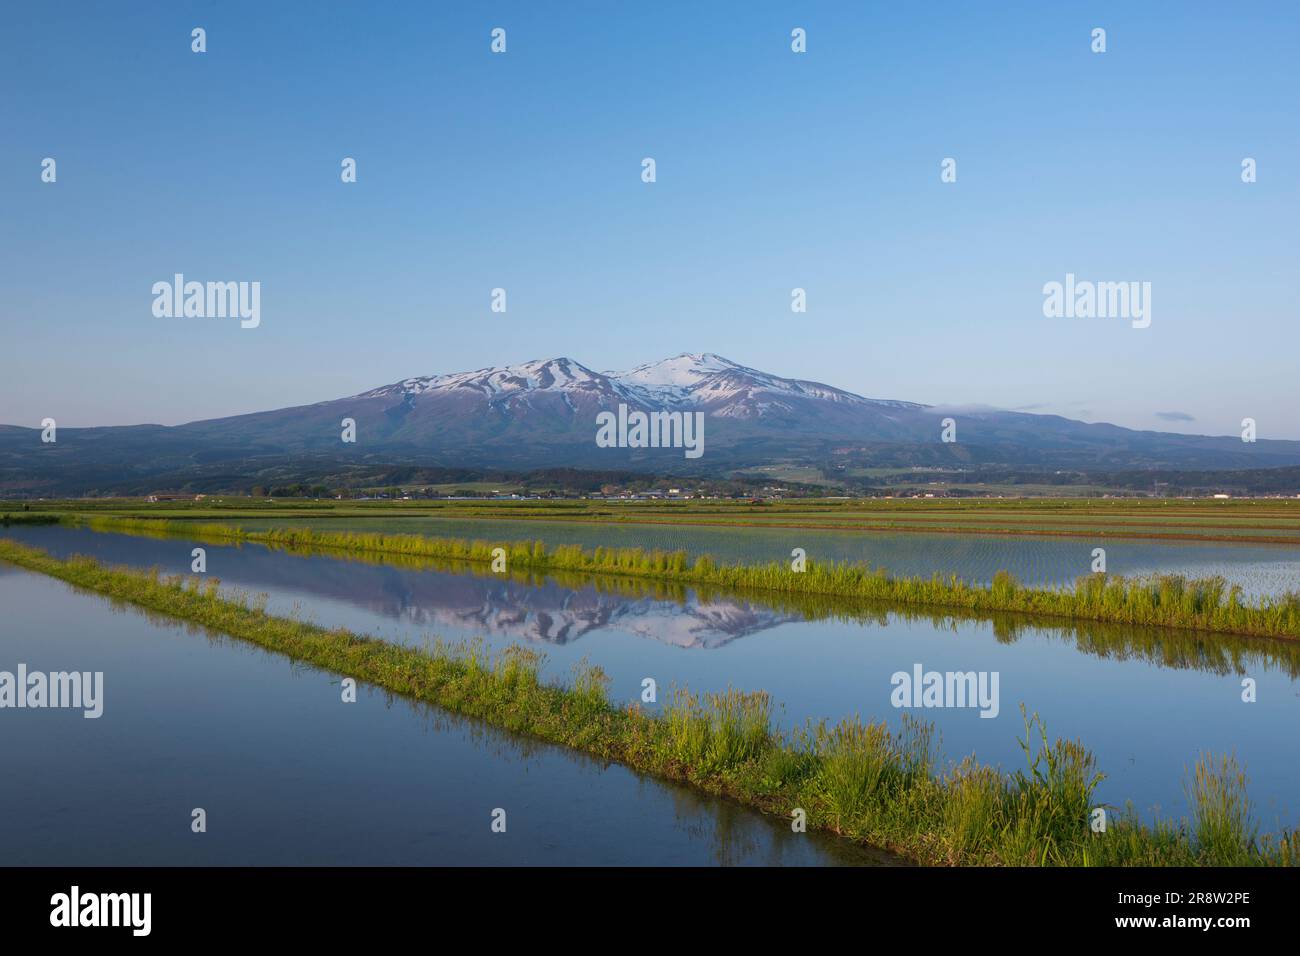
column 512, row 381
column 469, row 605
column 723, row 387
column 689, row 381
column 544, row 414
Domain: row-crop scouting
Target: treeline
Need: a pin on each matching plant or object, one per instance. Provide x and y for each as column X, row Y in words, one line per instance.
column 1155, row 482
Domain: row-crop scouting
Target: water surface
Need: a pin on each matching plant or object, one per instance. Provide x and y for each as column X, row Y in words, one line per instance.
column 290, row 775
column 1146, row 701
column 1037, row 561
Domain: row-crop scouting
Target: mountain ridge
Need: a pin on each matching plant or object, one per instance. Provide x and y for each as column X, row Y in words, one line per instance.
column 670, row 382
column 543, row 414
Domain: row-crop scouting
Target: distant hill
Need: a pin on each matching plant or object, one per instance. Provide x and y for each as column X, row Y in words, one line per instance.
column 543, row 414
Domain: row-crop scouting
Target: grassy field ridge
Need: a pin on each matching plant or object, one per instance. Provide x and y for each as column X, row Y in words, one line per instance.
column 868, row 784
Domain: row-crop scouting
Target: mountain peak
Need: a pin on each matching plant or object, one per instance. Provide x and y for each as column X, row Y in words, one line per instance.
column 546, row 374
column 696, row 380
column 681, row 371
column 543, row 413
column 704, row 358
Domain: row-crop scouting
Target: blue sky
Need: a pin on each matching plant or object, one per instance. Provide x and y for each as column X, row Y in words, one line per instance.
column 775, row 171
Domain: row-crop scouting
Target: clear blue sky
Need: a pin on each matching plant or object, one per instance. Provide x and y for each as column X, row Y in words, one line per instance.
column 775, row 170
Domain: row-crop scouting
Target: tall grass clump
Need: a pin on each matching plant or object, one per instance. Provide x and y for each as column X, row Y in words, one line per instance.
column 856, row 760
column 1054, row 793
column 717, row 732
column 590, row 689
column 1221, row 811
column 863, row 765
column 976, row 810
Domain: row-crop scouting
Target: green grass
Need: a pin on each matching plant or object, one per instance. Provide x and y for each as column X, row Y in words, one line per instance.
column 24, row 518
column 1165, row 601
column 1270, row 521
column 859, row 780
column 1175, row 648
column 1286, row 509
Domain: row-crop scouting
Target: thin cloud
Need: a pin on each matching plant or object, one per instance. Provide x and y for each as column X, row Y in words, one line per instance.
column 1175, row 416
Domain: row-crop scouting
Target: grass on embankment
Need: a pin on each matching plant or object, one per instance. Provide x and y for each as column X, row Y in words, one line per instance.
column 1167, row 601
column 1275, row 521
column 21, row 518
column 862, row 781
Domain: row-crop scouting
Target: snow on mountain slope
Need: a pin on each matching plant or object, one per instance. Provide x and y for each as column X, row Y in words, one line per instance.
column 505, row 382
column 683, row 381
column 675, row 377
column 729, row 389
column 688, row 381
